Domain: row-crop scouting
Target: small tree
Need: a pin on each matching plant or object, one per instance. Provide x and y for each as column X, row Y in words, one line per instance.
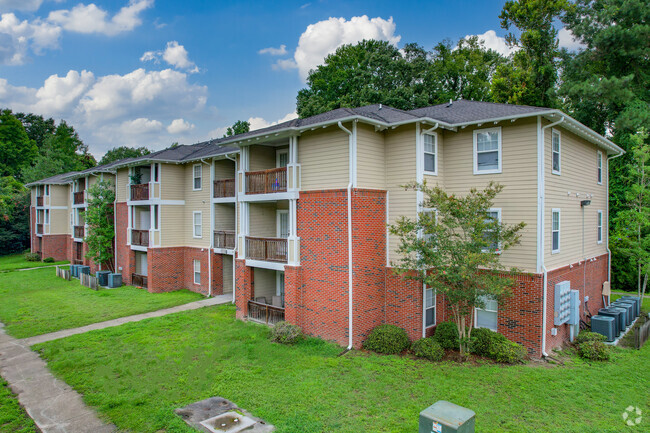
column 454, row 247
column 99, row 218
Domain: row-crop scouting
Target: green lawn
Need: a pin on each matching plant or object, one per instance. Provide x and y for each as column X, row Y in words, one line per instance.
column 13, row 418
column 17, row 261
column 136, row 374
column 37, row 302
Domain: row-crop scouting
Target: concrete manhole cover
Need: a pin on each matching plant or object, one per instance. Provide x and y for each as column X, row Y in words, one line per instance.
column 229, row 422
column 218, row 415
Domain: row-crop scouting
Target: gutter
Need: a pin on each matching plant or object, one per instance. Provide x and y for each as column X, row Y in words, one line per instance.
column 350, row 342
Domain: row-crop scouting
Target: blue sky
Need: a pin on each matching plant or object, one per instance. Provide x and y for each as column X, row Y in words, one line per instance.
column 152, row 72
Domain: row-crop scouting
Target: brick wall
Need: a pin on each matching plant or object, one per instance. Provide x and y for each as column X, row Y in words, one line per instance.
column 55, row 246
column 172, row 269
column 404, row 303
column 217, row 274
column 245, row 290
column 124, row 256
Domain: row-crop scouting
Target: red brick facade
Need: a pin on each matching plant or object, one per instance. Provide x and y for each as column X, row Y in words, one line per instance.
column 55, row 246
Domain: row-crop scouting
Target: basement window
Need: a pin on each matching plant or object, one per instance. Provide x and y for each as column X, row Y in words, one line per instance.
column 197, row 272
column 429, row 307
column 487, row 317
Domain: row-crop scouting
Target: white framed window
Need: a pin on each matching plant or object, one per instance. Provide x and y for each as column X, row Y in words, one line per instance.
column 599, row 167
column 282, row 223
column 555, row 231
column 197, row 172
column 495, row 245
column 599, row 227
column 279, row 287
column 197, row 272
column 430, row 154
column 156, row 172
column 281, row 158
column 47, row 190
column 487, row 317
column 556, row 139
column 487, row 151
column 429, row 307
column 156, row 217
column 197, row 219
column 428, row 211
column 47, row 216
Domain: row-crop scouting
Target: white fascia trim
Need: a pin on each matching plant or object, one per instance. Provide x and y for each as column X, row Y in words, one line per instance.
column 155, row 201
column 265, row 265
column 269, row 197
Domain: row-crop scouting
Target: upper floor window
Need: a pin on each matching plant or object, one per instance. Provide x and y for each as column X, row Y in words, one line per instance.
column 493, row 215
column 486, row 317
column 428, row 213
column 47, row 216
column 47, row 190
column 599, row 167
column 198, row 224
column 487, row 151
column 555, row 231
column 156, row 172
column 198, row 170
column 556, row 152
column 599, row 227
column 430, row 151
column 282, row 158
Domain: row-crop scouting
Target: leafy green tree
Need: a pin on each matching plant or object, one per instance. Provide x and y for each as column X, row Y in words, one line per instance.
column 17, row 151
column 14, row 216
column 449, row 250
column 122, row 152
column 239, row 127
column 37, row 127
column 99, row 219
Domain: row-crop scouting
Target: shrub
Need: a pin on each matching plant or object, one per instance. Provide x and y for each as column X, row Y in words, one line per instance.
column 447, row 335
column 48, row 260
column 508, row 352
column 427, row 348
column 594, row 350
column 589, row 336
column 285, row 333
column 389, row 339
column 484, row 341
column 32, row 257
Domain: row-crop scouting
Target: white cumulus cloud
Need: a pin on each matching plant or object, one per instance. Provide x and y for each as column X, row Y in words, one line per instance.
column 18, row 37
column 494, row 42
column 568, row 41
column 60, row 94
column 179, row 126
column 174, row 54
column 274, row 51
column 20, row 5
column 259, row 122
column 93, row 19
column 141, row 125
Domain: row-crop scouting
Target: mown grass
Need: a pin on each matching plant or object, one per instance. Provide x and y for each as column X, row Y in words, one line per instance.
column 37, row 302
column 136, row 374
column 17, row 261
column 13, row 418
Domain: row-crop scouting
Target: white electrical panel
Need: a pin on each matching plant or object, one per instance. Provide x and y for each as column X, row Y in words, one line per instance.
column 562, row 303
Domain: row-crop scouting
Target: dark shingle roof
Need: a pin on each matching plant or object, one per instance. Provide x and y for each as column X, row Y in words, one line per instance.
column 59, row 179
column 463, row 111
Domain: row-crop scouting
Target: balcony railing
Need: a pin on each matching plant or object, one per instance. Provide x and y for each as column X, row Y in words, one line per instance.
column 139, row 280
column 79, row 232
column 265, row 313
column 140, row 237
column 266, row 249
column 78, row 197
column 39, row 229
column 140, row 192
column 224, row 239
column 266, row 181
column 224, row 188
column 39, row 201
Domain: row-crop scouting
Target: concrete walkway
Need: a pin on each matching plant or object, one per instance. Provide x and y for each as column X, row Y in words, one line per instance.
column 53, row 405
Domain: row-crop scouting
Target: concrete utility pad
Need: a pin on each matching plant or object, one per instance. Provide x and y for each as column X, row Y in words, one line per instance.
column 210, row 414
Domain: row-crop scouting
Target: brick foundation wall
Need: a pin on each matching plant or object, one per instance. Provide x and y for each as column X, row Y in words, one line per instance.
column 172, row 269
column 245, row 289
column 124, row 256
column 404, row 303
column 203, row 256
column 55, row 246
column 217, row 274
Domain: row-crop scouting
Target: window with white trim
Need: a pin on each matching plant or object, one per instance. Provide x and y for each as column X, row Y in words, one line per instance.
column 47, row 216
column 555, row 231
column 282, row 158
column 487, row 151
column 197, row 170
column 429, row 212
column 555, row 154
column 430, row 153
column 489, row 235
column 599, row 167
column 599, row 227
column 487, row 317
column 282, row 223
column 429, row 307
column 197, row 272
column 47, row 190
column 198, row 224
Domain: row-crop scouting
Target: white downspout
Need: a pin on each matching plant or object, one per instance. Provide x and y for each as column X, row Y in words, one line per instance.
column 211, row 165
column 234, row 269
column 609, row 252
column 349, row 239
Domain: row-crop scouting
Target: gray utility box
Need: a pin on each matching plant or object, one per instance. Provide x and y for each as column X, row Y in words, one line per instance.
column 637, row 303
column 574, row 308
column 114, row 280
column 630, row 309
column 102, row 277
column 562, row 306
column 619, row 321
column 84, row 270
column 446, row 417
column 604, row 325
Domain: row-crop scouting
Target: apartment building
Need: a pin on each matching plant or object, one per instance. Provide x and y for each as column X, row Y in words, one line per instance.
column 292, row 219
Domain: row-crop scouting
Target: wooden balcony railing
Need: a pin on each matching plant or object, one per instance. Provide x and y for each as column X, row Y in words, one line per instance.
column 224, row 188
column 140, row 192
column 266, row 181
column 78, row 197
column 224, row 239
column 39, row 229
column 265, row 313
column 140, row 237
column 39, row 201
column 267, row 249
column 79, row 232
column 139, row 280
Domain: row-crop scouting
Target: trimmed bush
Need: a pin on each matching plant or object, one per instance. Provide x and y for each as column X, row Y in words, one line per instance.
column 589, row 336
column 285, row 333
column 388, row 339
column 447, row 335
column 508, row 352
column 593, row 350
column 48, row 260
column 427, row 348
column 32, row 257
column 484, row 340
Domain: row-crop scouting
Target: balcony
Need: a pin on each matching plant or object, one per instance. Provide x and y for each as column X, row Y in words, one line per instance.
column 140, row 192
column 266, row 181
column 265, row 313
column 77, row 258
column 78, row 197
column 139, row 280
column 39, row 229
column 39, row 201
column 140, row 237
column 224, row 239
column 79, row 232
column 224, row 188
column 267, row 249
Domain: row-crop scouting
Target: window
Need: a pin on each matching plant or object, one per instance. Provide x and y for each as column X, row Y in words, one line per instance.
column 555, row 231
column 198, row 168
column 429, row 213
column 156, row 168
column 197, row 272
column 198, row 224
column 487, row 317
column 487, row 151
column 47, row 216
column 282, row 158
column 599, row 167
column 429, row 307
column 155, row 217
column 283, row 224
column 71, row 219
column 430, row 151
column 489, row 235
column 556, row 152
column 47, row 190
column 600, row 227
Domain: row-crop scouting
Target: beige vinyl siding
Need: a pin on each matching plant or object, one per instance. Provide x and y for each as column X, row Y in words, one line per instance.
column 227, row 273
column 262, row 220
column 173, row 179
column 265, row 283
column 578, row 175
column 107, row 177
column 324, row 158
column 198, row 200
column 59, row 195
column 261, row 158
column 371, row 158
column 173, row 225
column 518, row 200
column 121, row 185
column 33, row 192
column 59, row 222
column 400, row 169
column 224, row 169
column 138, row 217
column 224, row 216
